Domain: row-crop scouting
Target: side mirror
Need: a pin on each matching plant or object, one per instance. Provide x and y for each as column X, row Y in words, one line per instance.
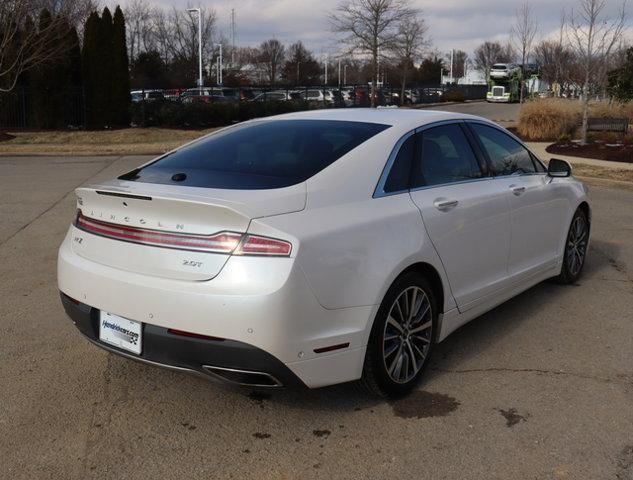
column 558, row 168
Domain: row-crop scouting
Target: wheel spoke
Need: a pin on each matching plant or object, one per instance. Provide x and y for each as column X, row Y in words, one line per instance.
column 421, row 338
column 413, row 362
column 424, row 326
column 395, row 360
column 392, row 349
column 412, row 309
column 402, row 317
column 392, row 321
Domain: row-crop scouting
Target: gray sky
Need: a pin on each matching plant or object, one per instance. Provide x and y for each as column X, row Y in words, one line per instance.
column 459, row 24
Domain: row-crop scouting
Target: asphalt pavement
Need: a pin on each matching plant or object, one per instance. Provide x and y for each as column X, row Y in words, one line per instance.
column 539, row 388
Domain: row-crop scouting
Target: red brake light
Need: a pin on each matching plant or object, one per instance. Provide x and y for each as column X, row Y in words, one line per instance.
column 223, row 242
column 256, row 245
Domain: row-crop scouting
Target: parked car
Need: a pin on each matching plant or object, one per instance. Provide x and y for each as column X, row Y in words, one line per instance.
column 275, row 96
column 146, row 95
column 211, row 95
column 319, row 247
column 317, row 95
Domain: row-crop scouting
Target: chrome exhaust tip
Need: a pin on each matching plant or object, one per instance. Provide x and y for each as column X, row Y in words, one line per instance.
column 246, row 378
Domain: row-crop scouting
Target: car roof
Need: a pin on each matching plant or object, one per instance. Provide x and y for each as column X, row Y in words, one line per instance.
column 403, row 118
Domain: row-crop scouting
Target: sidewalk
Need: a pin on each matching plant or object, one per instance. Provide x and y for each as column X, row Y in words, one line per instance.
column 539, row 149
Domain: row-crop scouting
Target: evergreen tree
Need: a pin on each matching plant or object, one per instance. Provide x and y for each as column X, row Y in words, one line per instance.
column 73, row 77
column 105, row 59
column 91, row 71
column 47, row 84
column 120, row 72
column 148, row 69
column 621, row 79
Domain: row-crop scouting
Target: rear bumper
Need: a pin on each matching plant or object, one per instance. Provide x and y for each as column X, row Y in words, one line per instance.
column 261, row 303
column 228, row 360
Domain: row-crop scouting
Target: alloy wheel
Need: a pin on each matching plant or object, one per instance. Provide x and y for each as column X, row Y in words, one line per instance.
column 407, row 335
column 577, row 245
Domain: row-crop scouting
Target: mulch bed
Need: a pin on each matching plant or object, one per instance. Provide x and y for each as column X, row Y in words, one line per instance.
column 5, row 136
column 612, row 152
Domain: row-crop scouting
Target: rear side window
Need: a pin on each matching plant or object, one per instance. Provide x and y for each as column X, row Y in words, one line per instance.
column 259, row 155
column 506, row 155
column 398, row 179
column 444, row 156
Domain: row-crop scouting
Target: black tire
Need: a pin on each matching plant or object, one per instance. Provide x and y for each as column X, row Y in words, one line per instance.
column 376, row 377
column 575, row 249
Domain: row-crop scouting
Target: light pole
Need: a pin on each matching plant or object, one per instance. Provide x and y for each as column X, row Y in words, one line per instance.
column 197, row 10
column 219, row 64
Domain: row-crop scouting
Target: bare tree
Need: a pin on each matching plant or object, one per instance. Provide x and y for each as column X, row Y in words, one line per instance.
column 523, row 34
column 370, row 26
column 593, row 36
column 23, row 46
column 138, row 19
column 489, row 53
column 459, row 61
column 409, row 46
column 176, row 33
column 271, row 56
column 556, row 63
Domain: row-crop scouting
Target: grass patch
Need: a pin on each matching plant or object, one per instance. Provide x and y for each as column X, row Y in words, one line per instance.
column 103, row 142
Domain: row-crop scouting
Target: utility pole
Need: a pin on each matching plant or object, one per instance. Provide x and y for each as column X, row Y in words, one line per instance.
column 339, row 73
column 326, row 62
column 197, row 10
column 220, row 64
column 452, row 56
column 345, row 74
column 232, row 38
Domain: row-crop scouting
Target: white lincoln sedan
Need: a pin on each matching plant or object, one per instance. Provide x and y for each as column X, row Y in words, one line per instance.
column 318, row 247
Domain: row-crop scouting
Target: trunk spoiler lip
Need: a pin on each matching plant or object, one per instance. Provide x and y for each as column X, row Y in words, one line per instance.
column 124, row 195
column 235, row 200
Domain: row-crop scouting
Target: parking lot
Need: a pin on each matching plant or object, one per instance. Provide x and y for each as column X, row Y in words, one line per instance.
column 541, row 387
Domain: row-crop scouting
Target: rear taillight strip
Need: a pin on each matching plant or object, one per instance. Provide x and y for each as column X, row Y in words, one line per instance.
column 222, row 242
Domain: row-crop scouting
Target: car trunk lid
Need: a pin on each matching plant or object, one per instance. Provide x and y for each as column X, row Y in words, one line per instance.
column 147, row 219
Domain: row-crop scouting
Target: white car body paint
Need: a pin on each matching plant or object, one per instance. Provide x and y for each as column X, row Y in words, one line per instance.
column 348, row 246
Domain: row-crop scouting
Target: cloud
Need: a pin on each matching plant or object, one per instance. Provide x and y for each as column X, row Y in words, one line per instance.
column 459, row 24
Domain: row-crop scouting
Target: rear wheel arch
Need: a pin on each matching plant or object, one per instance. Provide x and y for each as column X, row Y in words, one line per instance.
column 430, row 273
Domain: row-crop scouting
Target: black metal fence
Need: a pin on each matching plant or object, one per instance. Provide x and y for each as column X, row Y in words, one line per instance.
column 344, row 96
column 25, row 108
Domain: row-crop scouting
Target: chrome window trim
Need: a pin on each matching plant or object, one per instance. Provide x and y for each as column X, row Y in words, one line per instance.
column 448, row 184
column 379, row 191
column 513, row 137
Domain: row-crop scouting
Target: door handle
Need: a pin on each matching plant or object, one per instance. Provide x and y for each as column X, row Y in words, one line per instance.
column 517, row 190
column 445, row 205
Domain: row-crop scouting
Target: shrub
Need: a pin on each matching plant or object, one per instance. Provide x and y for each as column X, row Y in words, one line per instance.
column 549, row 118
column 454, row 96
column 564, row 138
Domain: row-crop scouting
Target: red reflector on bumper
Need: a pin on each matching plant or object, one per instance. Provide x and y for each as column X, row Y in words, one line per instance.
column 332, row 347
column 181, row 333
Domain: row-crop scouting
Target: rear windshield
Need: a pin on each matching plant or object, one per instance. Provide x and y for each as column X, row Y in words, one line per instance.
column 499, row 67
column 258, row 155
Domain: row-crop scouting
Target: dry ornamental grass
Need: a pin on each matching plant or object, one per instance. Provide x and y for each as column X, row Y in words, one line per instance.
column 550, row 119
